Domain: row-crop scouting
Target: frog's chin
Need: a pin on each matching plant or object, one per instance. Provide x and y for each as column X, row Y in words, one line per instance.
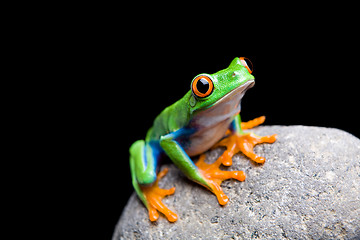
column 236, row 94
column 226, row 107
column 211, row 123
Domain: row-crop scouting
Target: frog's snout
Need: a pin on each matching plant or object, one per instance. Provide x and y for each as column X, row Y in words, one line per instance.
column 250, row 84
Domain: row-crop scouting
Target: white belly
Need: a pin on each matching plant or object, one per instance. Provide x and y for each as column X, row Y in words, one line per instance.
column 210, row 124
column 203, row 140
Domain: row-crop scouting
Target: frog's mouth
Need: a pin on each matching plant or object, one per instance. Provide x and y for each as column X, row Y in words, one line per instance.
column 236, row 94
column 227, row 106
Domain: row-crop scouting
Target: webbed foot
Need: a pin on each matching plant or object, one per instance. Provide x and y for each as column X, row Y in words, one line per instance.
column 214, row 177
column 244, row 142
column 154, row 195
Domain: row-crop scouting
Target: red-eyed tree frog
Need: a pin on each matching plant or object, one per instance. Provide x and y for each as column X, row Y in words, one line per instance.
column 207, row 116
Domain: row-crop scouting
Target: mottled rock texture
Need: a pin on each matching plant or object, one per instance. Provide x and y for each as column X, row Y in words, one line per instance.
column 308, row 188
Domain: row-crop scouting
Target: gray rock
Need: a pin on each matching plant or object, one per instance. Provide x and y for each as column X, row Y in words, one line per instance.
column 308, row 188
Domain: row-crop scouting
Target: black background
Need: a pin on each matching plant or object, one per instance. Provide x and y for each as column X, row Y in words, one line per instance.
column 305, row 88
column 119, row 84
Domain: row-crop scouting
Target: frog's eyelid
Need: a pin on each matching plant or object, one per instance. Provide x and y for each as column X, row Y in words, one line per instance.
column 244, row 63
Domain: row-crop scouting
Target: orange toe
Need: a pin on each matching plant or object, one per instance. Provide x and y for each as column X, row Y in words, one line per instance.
column 154, row 196
column 252, row 123
column 214, row 177
column 243, row 143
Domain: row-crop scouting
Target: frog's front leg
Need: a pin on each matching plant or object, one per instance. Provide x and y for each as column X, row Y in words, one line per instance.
column 208, row 175
column 143, row 164
column 244, row 142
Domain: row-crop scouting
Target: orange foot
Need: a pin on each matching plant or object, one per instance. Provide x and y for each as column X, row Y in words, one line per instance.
column 244, row 143
column 154, row 195
column 214, row 177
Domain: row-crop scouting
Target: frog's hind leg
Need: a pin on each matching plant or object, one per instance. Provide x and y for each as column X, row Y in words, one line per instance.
column 143, row 164
column 154, row 196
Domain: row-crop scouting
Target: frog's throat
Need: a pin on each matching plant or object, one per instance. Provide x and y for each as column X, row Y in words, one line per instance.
column 212, row 123
column 223, row 109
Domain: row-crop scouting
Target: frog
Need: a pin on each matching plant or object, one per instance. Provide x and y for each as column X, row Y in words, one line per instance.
column 206, row 117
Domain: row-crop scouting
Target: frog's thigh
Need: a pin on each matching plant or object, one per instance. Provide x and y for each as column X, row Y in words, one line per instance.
column 143, row 161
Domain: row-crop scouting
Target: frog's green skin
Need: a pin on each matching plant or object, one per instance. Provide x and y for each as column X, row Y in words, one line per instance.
column 191, row 126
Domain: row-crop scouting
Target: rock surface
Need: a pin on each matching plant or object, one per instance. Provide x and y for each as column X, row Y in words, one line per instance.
column 308, row 188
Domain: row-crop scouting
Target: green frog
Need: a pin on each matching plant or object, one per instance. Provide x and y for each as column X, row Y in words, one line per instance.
column 207, row 116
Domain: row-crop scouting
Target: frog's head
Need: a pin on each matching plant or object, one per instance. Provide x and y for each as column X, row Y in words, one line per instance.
column 225, row 87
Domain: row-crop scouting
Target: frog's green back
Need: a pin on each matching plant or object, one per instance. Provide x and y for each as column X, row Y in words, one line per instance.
column 170, row 119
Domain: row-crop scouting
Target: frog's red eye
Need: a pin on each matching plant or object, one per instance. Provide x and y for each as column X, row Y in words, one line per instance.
column 202, row 86
column 244, row 61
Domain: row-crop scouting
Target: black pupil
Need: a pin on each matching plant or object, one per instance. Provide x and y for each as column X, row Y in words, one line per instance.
column 202, row 85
